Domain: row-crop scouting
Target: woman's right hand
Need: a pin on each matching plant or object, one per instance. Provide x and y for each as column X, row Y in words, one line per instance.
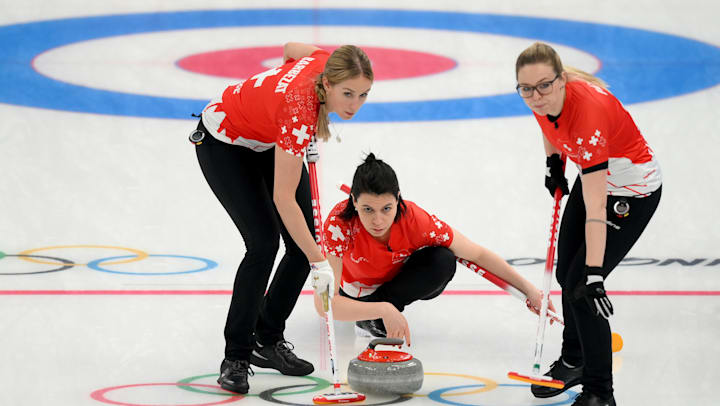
column 396, row 324
column 322, row 278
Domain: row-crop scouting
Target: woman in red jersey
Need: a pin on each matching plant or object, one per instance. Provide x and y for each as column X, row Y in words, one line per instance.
column 250, row 144
column 388, row 252
column 611, row 202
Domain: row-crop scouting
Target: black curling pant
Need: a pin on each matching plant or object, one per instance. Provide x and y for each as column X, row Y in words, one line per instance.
column 424, row 276
column 587, row 337
column 243, row 182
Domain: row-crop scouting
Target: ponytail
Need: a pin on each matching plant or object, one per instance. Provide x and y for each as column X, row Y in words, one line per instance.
column 577, row 74
column 323, row 121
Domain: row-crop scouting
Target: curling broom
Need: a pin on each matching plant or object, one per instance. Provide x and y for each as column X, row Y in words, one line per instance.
column 336, row 396
column 535, row 377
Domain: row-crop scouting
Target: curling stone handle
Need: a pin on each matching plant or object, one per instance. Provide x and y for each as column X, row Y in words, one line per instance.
column 385, row 341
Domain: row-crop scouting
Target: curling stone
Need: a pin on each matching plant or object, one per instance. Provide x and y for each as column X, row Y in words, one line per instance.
column 385, row 372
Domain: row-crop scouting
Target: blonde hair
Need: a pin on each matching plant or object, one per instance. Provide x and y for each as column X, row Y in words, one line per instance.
column 543, row 53
column 347, row 62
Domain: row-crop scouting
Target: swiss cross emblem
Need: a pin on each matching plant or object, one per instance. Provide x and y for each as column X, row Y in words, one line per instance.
column 260, row 77
column 283, row 129
column 594, row 139
column 301, row 134
column 337, row 233
column 579, row 141
column 587, row 156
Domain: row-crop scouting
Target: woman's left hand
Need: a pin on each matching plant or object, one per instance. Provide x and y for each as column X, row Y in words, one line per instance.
column 534, row 303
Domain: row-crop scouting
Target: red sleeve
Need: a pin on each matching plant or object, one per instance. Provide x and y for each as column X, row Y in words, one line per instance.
column 296, row 119
column 590, row 132
column 298, row 112
column 337, row 231
column 431, row 230
column 320, row 52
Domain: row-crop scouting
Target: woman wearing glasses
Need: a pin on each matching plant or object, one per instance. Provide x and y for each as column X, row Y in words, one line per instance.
column 610, row 204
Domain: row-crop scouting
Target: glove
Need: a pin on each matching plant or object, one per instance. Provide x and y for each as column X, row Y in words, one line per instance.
column 323, row 279
column 555, row 175
column 313, row 152
column 595, row 294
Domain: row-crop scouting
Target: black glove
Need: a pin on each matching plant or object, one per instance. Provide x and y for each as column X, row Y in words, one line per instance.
column 594, row 292
column 555, row 175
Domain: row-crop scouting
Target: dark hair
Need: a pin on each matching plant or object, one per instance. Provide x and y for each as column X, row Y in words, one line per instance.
column 376, row 177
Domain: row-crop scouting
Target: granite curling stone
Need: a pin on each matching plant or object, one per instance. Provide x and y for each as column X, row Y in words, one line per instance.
column 385, row 372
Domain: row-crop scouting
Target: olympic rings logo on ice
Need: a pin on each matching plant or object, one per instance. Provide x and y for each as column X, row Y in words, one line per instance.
column 446, row 395
column 102, row 264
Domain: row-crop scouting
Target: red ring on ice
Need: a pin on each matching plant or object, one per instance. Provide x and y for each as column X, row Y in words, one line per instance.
column 242, row 63
column 99, row 395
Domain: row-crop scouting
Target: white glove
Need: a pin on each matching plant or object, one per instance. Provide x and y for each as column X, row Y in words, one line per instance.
column 323, row 279
column 313, row 152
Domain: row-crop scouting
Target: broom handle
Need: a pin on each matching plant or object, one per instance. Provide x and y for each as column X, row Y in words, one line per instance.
column 319, row 237
column 502, row 284
column 496, row 280
column 547, row 278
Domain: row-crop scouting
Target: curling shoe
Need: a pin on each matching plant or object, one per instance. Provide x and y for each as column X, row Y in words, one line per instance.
column 370, row 328
column 589, row 399
column 558, row 370
column 234, row 375
column 280, row 357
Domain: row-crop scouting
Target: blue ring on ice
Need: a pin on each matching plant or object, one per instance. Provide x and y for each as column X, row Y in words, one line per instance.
column 640, row 65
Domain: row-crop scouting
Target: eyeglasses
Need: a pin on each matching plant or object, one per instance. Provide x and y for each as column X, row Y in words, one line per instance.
column 543, row 88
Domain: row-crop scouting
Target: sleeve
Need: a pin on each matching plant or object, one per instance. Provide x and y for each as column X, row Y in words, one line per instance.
column 432, row 231
column 296, row 119
column 321, row 52
column 337, row 231
column 591, row 134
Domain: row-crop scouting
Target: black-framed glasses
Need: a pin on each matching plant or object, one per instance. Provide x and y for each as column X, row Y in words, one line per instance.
column 543, row 88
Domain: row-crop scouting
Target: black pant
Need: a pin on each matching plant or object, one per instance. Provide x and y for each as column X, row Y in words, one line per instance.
column 243, row 182
column 587, row 337
column 424, row 276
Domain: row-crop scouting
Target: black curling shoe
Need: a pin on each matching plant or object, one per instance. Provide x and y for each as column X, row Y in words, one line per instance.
column 234, row 375
column 370, row 328
column 589, row 399
column 558, row 370
column 281, row 358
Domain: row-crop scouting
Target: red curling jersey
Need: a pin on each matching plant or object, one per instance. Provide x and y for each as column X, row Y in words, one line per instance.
column 596, row 132
column 275, row 107
column 368, row 263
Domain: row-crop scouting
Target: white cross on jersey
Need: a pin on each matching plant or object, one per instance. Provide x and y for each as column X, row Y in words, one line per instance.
column 587, row 155
column 337, row 233
column 301, row 134
column 260, row 77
